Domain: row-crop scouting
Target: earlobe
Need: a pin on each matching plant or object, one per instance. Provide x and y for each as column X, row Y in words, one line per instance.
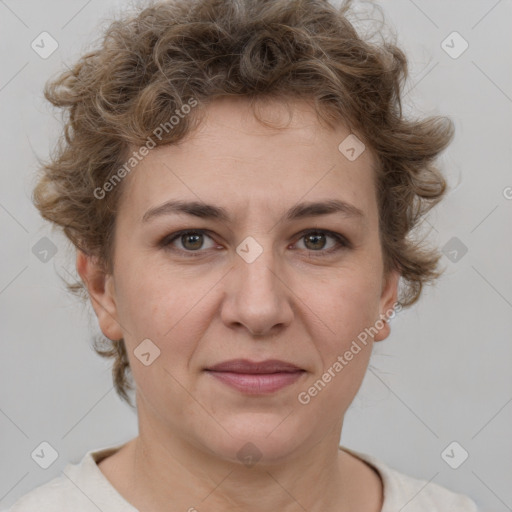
column 387, row 303
column 101, row 291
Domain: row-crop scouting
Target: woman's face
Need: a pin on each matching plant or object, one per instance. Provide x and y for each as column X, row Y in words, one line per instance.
column 253, row 285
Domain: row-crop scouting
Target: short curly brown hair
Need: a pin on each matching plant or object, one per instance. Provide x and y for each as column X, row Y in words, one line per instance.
column 149, row 64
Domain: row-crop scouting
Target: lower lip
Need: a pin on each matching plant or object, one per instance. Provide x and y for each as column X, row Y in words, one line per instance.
column 257, row 384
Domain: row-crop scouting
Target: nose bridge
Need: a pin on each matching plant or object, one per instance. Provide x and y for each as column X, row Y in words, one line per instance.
column 256, row 266
column 257, row 298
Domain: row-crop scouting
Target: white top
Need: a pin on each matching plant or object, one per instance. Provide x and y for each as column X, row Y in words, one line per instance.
column 84, row 488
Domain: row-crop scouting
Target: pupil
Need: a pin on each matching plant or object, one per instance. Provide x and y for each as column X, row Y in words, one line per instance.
column 198, row 241
column 316, row 236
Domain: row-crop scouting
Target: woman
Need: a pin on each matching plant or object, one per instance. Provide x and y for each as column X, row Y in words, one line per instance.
column 240, row 184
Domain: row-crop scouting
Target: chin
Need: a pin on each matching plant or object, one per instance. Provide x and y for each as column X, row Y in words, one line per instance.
column 264, row 437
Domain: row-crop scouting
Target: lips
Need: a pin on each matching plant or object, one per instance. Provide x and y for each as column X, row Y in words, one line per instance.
column 256, row 378
column 249, row 367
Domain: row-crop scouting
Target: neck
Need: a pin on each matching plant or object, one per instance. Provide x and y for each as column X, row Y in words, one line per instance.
column 168, row 470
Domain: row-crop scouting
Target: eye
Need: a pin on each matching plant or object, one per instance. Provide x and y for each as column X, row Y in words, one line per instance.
column 191, row 240
column 315, row 241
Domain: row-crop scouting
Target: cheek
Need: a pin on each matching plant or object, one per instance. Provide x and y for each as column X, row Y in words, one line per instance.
column 347, row 312
column 173, row 316
column 148, row 305
column 345, row 306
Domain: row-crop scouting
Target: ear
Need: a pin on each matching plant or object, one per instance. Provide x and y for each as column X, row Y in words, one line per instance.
column 387, row 302
column 102, row 294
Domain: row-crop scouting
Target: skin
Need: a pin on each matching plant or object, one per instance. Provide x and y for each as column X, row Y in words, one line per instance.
column 295, row 302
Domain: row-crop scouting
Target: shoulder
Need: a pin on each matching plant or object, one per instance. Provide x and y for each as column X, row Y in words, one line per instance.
column 81, row 488
column 419, row 495
column 423, row 495
column 57, row 494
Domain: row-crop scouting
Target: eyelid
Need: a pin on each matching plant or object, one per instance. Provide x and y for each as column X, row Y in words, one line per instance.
column 342, row 241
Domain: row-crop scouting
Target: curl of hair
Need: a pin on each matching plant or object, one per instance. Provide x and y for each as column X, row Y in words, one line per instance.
column 151, row 62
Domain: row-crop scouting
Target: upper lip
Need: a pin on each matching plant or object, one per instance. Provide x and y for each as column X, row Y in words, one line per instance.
column 247, row 366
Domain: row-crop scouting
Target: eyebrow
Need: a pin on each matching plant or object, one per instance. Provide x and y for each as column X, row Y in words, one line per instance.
column 299, row 211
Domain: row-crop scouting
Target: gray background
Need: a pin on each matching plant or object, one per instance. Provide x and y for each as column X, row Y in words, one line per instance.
column 442, row 376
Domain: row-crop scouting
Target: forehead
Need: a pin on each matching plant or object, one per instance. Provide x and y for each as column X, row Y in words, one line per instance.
column 233, row 160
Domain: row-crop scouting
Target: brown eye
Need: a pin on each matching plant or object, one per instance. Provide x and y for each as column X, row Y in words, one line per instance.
column 192, row 241
column 315, row 241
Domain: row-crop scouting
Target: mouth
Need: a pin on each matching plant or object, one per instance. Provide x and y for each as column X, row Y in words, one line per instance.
column 256, row 378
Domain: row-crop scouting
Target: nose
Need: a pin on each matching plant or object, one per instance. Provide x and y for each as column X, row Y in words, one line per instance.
column 257, row 297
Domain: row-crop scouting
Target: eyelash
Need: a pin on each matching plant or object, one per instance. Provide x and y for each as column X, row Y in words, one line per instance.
column 343, row 243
